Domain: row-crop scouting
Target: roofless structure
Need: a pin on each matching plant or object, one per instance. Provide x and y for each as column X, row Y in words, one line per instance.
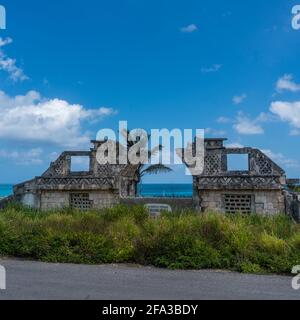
column 257, row 187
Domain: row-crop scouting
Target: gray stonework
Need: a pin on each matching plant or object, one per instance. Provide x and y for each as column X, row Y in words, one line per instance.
column 261, row 202
column 174, row 203
column 99, row 187
column 259, row 189
column 292, row 204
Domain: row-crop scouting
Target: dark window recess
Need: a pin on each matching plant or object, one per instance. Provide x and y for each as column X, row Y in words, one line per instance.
column 81, row 201
column 238, row 203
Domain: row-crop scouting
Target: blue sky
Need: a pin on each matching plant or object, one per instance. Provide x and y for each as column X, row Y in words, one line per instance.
column 69, row 68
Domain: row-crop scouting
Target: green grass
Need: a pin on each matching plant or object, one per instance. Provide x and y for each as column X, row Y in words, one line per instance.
column 295, row 188
column 182, row 240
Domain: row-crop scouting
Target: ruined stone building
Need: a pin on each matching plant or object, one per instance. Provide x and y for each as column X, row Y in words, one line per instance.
column 258, row 187
column 100, row 186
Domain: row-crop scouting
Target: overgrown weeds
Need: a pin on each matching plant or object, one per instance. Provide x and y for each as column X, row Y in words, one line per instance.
column 182, row 240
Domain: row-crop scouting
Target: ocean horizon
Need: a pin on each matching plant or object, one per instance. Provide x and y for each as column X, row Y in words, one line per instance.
column 145, row 190
column 6, row 190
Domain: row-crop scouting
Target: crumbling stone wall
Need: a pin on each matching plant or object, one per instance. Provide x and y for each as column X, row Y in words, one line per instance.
column 260, row 189
column 256, row 190
column 93, row 199
column 98, row 187
column 54, row 200
column 261, row 202
column 292, row 204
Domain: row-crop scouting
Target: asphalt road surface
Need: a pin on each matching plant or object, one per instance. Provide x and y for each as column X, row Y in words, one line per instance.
column 39, row 281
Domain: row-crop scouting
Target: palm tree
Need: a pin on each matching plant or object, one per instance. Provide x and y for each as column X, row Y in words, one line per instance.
column 147, row 169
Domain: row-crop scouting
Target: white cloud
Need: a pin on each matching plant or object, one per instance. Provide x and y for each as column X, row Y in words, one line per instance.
column 286, row 83
column 53, row 156
column 287, row 112
column 295, row 132
column 266, row 117
column 262, row 117
column 239, row 99
column 33, row 118
column 4, row 42
column 214, row 68
column 8, row 64
column 32, row 156
column 224, row 120
column 280, row 159
column 189, row 29
column 245, row 125
column 215, row 132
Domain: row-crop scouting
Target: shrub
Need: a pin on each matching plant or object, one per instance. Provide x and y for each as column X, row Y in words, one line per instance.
column 248, row 267
column 180, row 240
column 272, row 245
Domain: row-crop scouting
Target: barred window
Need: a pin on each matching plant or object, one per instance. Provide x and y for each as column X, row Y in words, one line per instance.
column 238, row 203
column 80, row 201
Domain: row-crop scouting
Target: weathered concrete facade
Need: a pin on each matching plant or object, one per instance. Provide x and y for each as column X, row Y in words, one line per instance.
column 292, row 204
column 101, row 186
column 259, row 189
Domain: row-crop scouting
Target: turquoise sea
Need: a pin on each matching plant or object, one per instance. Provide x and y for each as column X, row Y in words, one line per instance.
column 146, row 190
column 5, row 190
column 166, row 190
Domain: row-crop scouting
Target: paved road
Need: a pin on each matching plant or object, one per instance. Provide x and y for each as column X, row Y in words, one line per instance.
column 34, row 280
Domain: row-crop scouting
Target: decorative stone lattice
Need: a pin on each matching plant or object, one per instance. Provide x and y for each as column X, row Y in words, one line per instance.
column 59, row 186
column 265, row 167
column 238, row 203
column 109, row 170
column 80, row 201
column 239, row 182
column 75, row 181
column 104, row 170
column 212, row 164
column 261, row 184
column 59, row 167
